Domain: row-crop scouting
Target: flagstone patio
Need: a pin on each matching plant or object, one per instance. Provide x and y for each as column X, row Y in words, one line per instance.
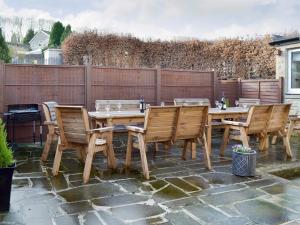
column 178, row 192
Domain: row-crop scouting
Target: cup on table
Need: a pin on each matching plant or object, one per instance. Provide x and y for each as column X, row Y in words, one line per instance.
column 162, row 104
column 97, row 106
column 147, row 106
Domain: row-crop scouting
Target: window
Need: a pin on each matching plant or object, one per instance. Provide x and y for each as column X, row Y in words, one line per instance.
column 294, row 71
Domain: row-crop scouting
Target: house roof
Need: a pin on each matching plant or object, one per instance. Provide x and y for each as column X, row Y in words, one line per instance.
column 281, row 40
column 43, row 31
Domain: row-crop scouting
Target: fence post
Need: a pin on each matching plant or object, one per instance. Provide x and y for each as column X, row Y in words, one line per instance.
column 239, row 88
column 259, row 89
column 281, row 89
column 2, row 86
column 88, row 86
column 214, row 84
column 158, row 85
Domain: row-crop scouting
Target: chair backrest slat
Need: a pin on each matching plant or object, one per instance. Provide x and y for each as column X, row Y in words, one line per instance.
column 49, row 110
column 126, row 104
column 258, row 118
column 160, row 123
column 279, row 117
column 191, row 122
column 73, row 123
column 249, row 101
column 192, row 101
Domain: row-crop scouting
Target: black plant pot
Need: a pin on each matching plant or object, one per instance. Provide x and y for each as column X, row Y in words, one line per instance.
column 244, row 164
column 6, row 175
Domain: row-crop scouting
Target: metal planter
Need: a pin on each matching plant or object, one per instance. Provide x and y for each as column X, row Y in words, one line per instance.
column 244, row 164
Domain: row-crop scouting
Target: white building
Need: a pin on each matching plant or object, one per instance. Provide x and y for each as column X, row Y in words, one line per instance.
column 53, row 56
column 288, row 66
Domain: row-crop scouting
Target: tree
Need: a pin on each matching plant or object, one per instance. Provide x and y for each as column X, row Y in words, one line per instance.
column 29, row 35
column 4, row 51
column 56, row 33
column 66, row 33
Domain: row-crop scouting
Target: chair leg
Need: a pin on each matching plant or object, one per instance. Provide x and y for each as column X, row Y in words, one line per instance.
column 262, row 142
column 274, row 139
column 89, row 159
column 143, row 156
column 47, row 147
column 185, row 145
column 225, row 141
column 193, row 149
column 167, row 146
column 128, row 151
column 206, row 152
column 57, row 159
column 286, row 142
column 111, row 157
column 244, row 138
column 156, row 146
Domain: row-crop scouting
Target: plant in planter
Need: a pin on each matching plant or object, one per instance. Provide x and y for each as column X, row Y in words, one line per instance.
column 243, row 161
column 7, row 166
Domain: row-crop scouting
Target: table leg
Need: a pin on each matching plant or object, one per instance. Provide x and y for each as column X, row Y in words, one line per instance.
column 209, row 129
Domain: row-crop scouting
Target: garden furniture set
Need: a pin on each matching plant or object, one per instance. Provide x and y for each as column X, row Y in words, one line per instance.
column 189, row 120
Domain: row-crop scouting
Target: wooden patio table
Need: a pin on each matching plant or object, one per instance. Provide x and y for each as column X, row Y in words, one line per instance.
column 126, row 117
column 117, row 117
column 229, row 113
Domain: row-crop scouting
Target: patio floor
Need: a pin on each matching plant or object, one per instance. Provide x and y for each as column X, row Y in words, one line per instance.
column 179, row 192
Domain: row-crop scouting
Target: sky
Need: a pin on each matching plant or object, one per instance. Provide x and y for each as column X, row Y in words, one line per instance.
column 166, row 19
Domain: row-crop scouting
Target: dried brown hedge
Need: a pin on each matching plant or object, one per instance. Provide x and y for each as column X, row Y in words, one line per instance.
column 231, row 58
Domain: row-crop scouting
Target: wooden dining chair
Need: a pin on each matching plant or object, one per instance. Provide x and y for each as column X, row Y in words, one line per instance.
column 50, row 122
column 256, row 123
column 191, row 128
column 191, row 101
column 75, row 133
column 160, row 124
column 249, row 101
column 277, row 125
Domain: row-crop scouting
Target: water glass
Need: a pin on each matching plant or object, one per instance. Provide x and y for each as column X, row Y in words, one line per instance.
column 217, row 104
column 147, row 106
column 200, row 102
column 245, row 105
column 97, row 107
column 119, row 105
column 107, row 108
column 236, row 102
column 162, row 104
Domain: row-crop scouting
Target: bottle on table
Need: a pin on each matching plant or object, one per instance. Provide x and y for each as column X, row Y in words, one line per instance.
column 223, row 102
column 142, row 104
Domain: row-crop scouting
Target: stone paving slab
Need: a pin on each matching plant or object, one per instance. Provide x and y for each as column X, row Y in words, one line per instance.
column 178, row 192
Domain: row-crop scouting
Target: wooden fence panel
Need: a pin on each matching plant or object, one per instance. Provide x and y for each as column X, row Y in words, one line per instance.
column 186, row 84
column 115, row 83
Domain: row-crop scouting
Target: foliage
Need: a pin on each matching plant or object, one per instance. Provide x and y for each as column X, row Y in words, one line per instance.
column 29, row 35
column 230, row 58
column 6, row 156
column 4, row 51
column 241, row 149
column 66, row 33
column 56, row 33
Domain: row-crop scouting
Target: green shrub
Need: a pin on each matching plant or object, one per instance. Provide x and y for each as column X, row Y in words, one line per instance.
column 6, row 155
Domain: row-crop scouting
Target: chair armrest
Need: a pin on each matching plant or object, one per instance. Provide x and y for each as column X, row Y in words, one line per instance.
column 50, row 123
column 135, row 129
column 234, row 123
column 100, row 130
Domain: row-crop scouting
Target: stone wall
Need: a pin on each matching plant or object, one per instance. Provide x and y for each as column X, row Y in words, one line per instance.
column 231, row 58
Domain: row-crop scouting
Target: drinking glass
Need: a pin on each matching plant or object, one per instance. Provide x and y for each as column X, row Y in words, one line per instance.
column 162, row 104
column 119, row 105
column 147, row 106
column 107, row 108
column 97, row 107
column 236, row 102
column 200, row 102
column 217, row 104
column 245, row 105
